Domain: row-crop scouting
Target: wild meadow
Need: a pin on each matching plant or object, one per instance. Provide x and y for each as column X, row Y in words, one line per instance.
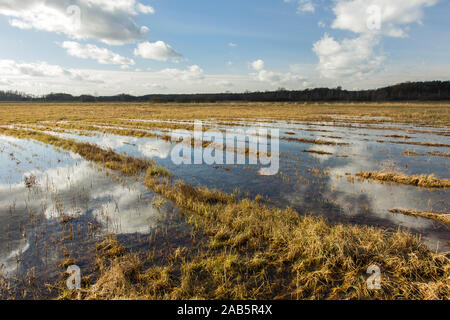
column 95, row 185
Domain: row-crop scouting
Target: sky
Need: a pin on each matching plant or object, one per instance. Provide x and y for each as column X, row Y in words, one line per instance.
column 104, row 47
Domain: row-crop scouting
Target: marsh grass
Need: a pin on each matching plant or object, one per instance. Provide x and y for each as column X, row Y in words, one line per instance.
column 245, row 249
column 423, row 144
column 315, row 141
column 411, row 153
column 255, row 252
column 128, row 166
column 437, row 216
column 439, row 154
column 434, row 114
column 252, row 251
column 425, row 181
column 318, row 152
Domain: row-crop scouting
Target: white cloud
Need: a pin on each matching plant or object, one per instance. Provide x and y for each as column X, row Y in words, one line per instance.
column 370, row 19
column 275, row 78
column 145, row 9
column 158, row 50
column 5, row 82
column 111, row 22
column 21, row 71
column 304, row 5
column 232, row 44
column 225, row 83
column 101, row 55
column 350, row 57
column 358, row 15
column 155, row 86
column 191, row 74
column 258, row 65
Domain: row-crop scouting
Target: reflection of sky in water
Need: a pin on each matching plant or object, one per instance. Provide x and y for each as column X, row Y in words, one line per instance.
column 331, row 195
column 66, row 185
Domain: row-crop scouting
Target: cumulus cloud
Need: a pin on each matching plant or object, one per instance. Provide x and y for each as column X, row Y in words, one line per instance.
column 225, row 83
column 370, row 19
column 111, row 22
column 41, row 69
column 258, row 65
column 145, row 9
column 360, row 16
column 158, row 50
column 101, row 55
column 5, row 82
column 191, row 74
column 275, row 78
column 350, row 57
column 303, row 5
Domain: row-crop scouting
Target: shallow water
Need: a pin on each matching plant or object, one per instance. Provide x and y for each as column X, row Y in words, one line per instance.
column 303, row 184
column 310, row 183
column 70, row 205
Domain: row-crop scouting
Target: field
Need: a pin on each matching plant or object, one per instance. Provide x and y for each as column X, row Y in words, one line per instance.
column 95, row 185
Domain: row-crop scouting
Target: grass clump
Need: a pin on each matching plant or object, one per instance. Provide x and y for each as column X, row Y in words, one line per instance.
column 318, row 152
column 255, row 252
column 439, row 154
column 315, row 141
column 425, row 181
column 158, row 172
column 437, row 216
column 128, row 166
column 252, row 251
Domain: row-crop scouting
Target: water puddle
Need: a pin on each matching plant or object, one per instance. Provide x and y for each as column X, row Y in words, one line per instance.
column 55, row 202
column 313, row 179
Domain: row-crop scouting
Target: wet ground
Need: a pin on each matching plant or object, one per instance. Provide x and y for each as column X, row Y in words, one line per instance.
column 54, row 202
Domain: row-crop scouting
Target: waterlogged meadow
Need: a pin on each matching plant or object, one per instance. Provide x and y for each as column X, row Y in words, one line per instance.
column 224, row 201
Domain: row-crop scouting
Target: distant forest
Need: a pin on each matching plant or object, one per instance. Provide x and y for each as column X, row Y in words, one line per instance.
column 410, row 91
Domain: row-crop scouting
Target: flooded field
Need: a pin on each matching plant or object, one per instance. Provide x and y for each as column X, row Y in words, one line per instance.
column 355, row 186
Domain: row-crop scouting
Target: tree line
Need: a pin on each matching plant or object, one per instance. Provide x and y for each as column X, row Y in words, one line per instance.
column 409, row 91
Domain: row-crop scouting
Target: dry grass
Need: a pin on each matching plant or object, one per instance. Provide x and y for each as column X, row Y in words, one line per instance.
column 435, row 114
column 251, row 251
column 425, row 181
column 315, row 141
column 439, row 154
column 437, row 216
column 318, row 152
column 255, row 252
column 411, row 153
column 423, row 144
column 126, row 165
column 245, row 249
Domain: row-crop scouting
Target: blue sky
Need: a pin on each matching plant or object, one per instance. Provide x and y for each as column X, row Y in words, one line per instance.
column 174, row 46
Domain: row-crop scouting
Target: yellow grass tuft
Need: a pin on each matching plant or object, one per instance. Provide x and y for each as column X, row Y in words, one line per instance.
column 425, row 181
column 437, row 216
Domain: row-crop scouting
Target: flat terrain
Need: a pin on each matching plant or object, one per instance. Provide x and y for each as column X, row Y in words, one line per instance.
column 95, row 185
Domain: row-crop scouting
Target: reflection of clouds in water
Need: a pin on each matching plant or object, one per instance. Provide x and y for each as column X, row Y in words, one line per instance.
column 148, row 147
column 324, row 148
column 114, row 142
column 123, row 214
column 379, row 197
column 74, row 190
column 111, row 202
column 157, row 148
column 8, row 262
